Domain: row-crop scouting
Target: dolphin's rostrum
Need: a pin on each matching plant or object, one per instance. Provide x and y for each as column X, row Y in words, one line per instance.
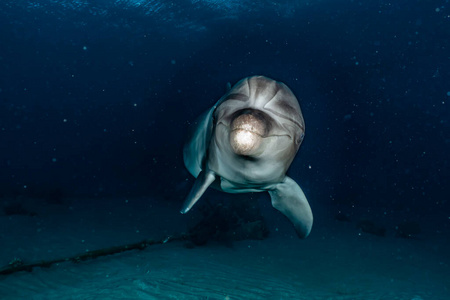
column 246, row 143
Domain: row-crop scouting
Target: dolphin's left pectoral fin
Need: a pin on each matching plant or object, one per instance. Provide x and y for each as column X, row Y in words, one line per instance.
column 289, row 199
column 203, row 181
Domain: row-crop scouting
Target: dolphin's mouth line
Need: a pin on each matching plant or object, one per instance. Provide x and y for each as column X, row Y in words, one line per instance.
column 247, row 130
column 262, row 136
column 230, row 130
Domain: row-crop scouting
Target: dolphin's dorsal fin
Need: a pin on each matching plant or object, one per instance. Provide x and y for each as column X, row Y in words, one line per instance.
column 290, row 200
column 203, row 181
column 228, row 87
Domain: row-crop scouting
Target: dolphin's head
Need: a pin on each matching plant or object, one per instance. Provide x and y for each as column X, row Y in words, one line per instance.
column 260, row 118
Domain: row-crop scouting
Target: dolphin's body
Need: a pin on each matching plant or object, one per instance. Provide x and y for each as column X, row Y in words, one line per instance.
column 246, row 143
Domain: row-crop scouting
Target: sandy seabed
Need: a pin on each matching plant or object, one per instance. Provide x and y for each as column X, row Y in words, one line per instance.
column 335, row 262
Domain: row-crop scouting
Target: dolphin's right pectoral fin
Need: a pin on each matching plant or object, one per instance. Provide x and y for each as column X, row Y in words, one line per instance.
column 289, row 199
column 203, row 181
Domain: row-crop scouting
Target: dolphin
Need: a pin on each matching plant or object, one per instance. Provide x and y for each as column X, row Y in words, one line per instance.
column 246, row 143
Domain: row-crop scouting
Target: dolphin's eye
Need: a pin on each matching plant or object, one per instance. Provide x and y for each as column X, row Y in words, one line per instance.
column 300, row 139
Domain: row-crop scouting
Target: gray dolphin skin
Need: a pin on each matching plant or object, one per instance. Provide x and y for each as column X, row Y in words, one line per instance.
column 246, row 143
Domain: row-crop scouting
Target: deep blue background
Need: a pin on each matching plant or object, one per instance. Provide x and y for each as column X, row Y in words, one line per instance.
column 95, row 98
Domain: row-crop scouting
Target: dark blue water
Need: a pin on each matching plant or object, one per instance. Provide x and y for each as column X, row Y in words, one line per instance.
column 96, row 96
